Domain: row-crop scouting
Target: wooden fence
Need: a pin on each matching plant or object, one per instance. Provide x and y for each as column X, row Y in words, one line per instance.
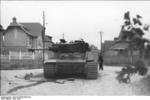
column 21, row 60
column 118, row 60
column 25, row 56
column 19, row 55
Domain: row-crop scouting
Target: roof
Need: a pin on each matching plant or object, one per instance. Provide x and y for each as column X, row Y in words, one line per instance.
column 1, row 28
column 120, row 46
column 48, row 38
column 108, row 43
column 34, row 29
column 18, row 25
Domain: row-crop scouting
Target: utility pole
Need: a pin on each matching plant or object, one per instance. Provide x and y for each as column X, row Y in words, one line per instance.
column 63, row 36
column 101, row 40
column 43, row 36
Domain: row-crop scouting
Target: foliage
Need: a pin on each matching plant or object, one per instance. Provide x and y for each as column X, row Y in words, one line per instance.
column 140, row 66
column 132, row 31
column 93, row 47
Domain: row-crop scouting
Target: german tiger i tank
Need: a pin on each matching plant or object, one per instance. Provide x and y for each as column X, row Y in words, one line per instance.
column 74, row 58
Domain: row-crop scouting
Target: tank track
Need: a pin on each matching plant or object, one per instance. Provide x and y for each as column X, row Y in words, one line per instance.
column 49, row 70
column 92, row 70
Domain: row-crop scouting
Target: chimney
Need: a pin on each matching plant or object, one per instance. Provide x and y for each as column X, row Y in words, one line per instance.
column 14, row 20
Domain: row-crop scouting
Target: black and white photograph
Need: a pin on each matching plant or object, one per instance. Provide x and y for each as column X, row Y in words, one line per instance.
column 74, row 48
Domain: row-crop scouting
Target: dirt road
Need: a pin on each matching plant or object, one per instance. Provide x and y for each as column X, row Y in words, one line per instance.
column 13, row 83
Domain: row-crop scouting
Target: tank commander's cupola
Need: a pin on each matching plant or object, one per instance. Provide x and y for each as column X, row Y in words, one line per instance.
column 63, row 41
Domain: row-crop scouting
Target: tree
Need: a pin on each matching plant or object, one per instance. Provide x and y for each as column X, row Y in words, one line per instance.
column 133, row 33
column 93, row 47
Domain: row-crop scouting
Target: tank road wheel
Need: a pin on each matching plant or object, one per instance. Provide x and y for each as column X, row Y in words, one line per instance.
column 49, row 70
column 92, row 70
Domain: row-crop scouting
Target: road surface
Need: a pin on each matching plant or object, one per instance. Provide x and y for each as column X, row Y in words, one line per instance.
column 13, row 83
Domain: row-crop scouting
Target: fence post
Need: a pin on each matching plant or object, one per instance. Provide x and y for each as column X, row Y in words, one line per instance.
column 33, row 56
column 20, row 55
column 9, row 55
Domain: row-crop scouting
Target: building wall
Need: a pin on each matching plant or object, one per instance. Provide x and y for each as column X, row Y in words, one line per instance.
column 120, row 57
column 39, row 43
column 1, row 38
column 15, row 37
column 34, row 42
column 1, row 42
column 48, row 44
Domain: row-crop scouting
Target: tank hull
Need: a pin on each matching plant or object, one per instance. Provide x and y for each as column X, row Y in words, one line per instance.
column 54, row 68
column 65, row 67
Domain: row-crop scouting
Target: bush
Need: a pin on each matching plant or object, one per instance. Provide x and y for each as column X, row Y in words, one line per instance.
column 140, row 66
column 143, row 71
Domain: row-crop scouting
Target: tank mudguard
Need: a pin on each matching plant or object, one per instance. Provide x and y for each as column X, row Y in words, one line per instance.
column 89, row 57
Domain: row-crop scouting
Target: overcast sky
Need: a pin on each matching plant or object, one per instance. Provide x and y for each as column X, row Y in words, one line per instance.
column 76, row 19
